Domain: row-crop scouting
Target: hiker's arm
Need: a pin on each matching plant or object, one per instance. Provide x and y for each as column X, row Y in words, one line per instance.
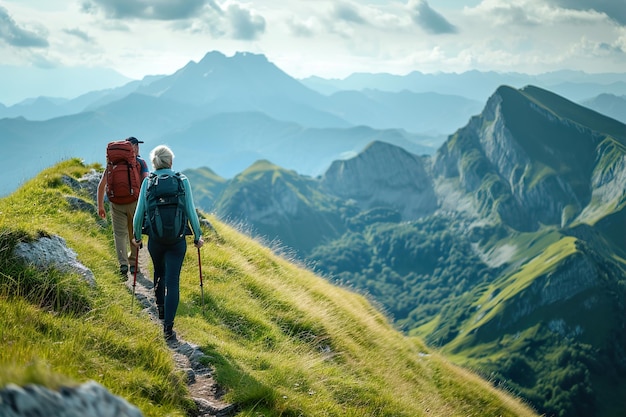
column 192, row 215
column 139, row 212
column 101, row 211
column 145, row 172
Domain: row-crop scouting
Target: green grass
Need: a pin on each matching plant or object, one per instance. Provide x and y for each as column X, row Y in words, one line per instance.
column 493, row 304
column 56, row 329
column 282, row 341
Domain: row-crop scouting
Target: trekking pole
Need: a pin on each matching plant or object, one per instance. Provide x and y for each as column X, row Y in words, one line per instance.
column 132, row 303
column 201, row 283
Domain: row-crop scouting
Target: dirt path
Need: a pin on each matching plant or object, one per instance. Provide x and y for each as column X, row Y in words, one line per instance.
column 204, row 390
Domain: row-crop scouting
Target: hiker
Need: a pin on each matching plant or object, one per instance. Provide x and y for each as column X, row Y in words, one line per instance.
column 167, row 252
column 122, row 211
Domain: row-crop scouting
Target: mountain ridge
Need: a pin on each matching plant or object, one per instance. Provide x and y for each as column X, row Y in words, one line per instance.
column 519, row 247
column 278, row 339
column 127, row 111
column 477, row 85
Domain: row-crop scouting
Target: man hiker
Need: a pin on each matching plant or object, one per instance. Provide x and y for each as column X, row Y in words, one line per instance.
column 120, row 182
column 166, row 207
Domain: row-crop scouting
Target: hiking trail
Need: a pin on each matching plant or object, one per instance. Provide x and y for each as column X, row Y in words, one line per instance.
column 204, row 391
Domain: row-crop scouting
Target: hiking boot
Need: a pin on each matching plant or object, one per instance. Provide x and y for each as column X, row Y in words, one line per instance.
column 132, row 269
column 169, row 333
column 161, row 310
column 123, row 270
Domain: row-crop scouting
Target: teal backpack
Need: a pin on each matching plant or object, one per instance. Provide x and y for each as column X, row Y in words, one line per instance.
column 166, row 217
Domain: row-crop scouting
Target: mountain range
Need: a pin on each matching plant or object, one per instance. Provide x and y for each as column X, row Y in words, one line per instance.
column 262, row 336
column 477, row 85
column 504, row 248
column 217, row 103
column 21, row 82
column 498, row 240
column 213, row 104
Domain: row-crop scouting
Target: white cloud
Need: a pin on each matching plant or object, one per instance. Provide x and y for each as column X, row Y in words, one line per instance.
column 16, row 35
column 613, row 9
column 245, row 24
column 78, row 33
column 429, row 19
column 347, row 12
column 303, row 28
column 531, row 13
column 324, row 37
column 145, row 9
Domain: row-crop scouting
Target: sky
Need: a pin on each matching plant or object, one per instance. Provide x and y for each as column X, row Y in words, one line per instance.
column 330, row 39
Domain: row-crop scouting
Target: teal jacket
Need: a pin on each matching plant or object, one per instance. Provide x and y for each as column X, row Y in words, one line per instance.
column 190, row 207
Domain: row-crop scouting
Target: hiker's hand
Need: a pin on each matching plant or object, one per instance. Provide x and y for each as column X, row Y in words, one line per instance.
column 198, row 243
column 137, row 244
column 101, row 212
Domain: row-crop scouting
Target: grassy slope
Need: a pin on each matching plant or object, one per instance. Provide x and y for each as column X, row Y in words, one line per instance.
column 488, row 344
column 207, row 185
column 283, row 340
column 309, row 216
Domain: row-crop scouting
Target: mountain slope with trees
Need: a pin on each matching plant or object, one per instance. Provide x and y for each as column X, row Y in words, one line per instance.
column 281, row 341
column 506, row 251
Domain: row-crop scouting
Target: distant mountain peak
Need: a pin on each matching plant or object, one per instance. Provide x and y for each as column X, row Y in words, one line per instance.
column 386, row 175
column 262, row 165
column 250, row 56
column 244, row 81
column 240, row 57
column 530, row 158
column 211, row 55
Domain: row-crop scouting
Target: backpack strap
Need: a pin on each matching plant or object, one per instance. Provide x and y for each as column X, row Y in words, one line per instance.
column 180, row 181
column 152, row 178
column 130, row 183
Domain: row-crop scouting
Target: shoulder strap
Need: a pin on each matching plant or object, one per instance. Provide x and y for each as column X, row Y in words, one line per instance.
column 179, row 177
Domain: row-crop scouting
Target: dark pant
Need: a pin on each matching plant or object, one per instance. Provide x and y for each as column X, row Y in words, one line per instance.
column 167, row 261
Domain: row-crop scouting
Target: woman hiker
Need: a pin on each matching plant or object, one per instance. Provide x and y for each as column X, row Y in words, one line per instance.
column 167, row 255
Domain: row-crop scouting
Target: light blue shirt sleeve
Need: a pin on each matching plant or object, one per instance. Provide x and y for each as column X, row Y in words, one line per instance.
column 191, row 209
column 139, row 211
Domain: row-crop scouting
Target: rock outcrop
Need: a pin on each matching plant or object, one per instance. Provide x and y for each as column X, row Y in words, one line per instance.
column 384, row 175
column 52, row 251
column 526, row 164
column 89, row 399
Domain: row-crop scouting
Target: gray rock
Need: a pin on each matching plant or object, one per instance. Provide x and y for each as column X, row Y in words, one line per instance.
column 384, row 175
column 79, row 204
column 89, row 183
column 89, row 399
column 52, row 251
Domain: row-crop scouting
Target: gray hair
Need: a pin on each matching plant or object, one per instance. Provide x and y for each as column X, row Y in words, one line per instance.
column 162, row 157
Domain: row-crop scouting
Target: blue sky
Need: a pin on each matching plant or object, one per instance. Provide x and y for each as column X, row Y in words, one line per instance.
column 317, row 37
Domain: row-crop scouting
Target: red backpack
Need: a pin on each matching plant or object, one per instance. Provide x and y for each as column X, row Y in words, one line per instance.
column 123, row 173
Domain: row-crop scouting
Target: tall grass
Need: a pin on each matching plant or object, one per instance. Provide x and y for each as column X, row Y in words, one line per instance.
column 58, row 330
column 282, row 341
column 287, row 342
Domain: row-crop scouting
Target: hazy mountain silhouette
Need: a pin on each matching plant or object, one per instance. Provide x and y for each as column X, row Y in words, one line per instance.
column 477, row 85
column 180, row 109
column 20, row 83
column 610, row 105
column 176, row 108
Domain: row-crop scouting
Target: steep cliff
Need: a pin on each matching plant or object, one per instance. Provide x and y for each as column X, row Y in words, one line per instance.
column 384, row 175
column 281, row 206
column 505, row 249
column 532, row 158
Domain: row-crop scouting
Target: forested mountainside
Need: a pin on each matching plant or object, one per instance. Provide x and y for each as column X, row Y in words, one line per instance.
column 273, row 338
column 505, row 248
